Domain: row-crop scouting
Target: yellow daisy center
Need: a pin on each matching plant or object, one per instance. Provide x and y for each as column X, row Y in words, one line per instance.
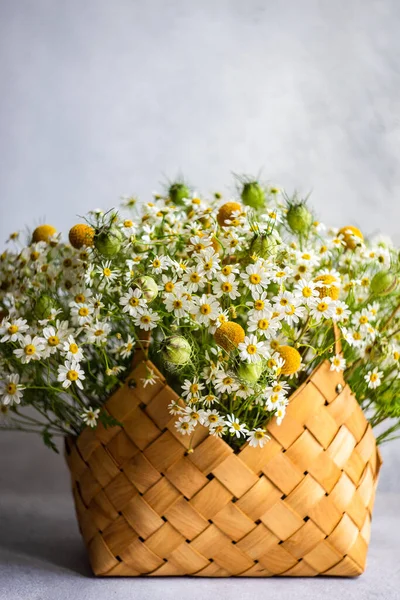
column 251, row 349
column 80, row 298
column 145, row 319
column 73, row 348
column 226, row 287
column 322, row 307
column 169, row 286
column 227, row 270
column 83, row 311
column 106, row 272
column 11, row 389
column 53, row 340
column 194, row 388
column 307, row 292
column 254, row 278
column 263, row 324
column 72, row 375
column 30, row 349
column 13, row 329
column 259, row 304
column 373, row 377
column 134, row 301
column 205, row 309
column 195, row 278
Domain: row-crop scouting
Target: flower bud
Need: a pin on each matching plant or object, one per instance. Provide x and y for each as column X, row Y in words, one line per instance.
column 148, row 287
column 292, row 359
column 178, row 192
column 108, row 243
column 81, row 235
column 253, row 195
column 299, row 218
column 43, row 306
column 250, row 372
column 43, row 233
column 176, row 350
column 383, row 283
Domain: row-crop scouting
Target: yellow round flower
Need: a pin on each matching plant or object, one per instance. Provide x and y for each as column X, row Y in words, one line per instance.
column 43, row 233
column 229, row 335
column 292, row 359
column 348, row 233
column 81, row 235
column 327, row 289
column 226, row 211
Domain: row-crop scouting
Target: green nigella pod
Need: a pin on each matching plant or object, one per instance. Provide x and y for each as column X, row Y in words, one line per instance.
column 176, row 350
column 108, row 243
column 250, row 372
column 253, row 195
column 178, row 192
column 264, row 246
column 383, row 283
column 43, row 306
column 299, row 218
column 148, row 287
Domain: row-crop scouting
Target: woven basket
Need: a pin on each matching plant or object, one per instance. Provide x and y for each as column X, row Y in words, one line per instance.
column 299, row 506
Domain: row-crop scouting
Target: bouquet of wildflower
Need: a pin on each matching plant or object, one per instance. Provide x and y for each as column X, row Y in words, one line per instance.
column 240, row 298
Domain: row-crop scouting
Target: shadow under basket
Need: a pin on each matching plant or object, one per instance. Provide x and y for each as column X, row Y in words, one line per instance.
column 299, row 506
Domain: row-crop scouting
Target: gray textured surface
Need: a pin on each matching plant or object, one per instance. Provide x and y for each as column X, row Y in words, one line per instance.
column 99, row 98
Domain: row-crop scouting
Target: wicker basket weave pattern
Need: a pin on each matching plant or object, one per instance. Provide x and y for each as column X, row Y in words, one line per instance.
column 299, row 506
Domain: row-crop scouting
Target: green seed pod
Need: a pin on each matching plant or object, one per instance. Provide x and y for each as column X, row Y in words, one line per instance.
column 250, row 372
column 383, row 283
column 43, row 306
column 148, row 287
column 264, row 246
column 253, row 195
column 108, row 243
column 299, row 218
column 178, row 192
column 176, row 350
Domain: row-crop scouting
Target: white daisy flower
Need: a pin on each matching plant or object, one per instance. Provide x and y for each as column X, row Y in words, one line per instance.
column 132, row 301
column 255, row 278
column 225, row 382
column 107, row 272
column 251, row 350
column 81, row 313
column 226, row 286
column 218, row 430
column 71, row 350
column 257, row 437
column 184, row 426
column 280, row 414
column 13, row 330
column 178, row 304
column 89, row 416
column 208, row 262
column 265, row 325
column 235, row 427
column 306, row 289
column 159, row 264
column 210, row 418
column 97, row 332
column 205, row 309
column 373, row 378
column 70, row 372
column 338, row 363
column 127, row 348
column 341, row 312
column 322, row 308
column 11, row 390
column 146, row 319
column 32, row 348
column 280, row 275
column 194, row 279
column 191, row 389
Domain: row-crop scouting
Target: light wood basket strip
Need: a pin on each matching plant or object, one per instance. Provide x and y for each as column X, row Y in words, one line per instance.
column 300, row 506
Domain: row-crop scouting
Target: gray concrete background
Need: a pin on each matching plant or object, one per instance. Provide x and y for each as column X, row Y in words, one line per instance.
column 102, row 98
